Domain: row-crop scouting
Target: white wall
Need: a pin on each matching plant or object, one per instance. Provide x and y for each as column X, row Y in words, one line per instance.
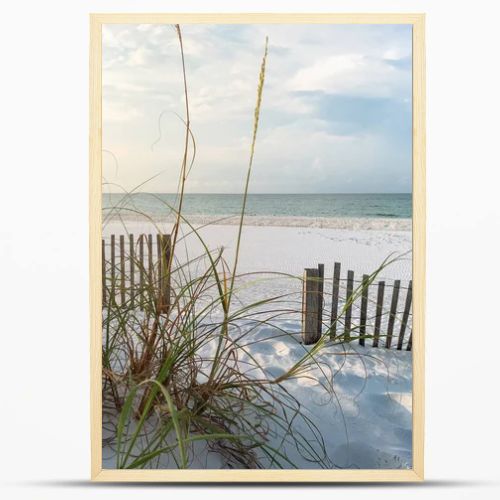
column 43, row 243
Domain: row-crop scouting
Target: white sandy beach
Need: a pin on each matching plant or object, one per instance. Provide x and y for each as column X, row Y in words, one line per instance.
column 277, row 244
column 365, row 424
column 368, row 422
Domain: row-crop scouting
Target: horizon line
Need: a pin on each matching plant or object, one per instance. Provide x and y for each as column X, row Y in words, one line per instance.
column 240, row 193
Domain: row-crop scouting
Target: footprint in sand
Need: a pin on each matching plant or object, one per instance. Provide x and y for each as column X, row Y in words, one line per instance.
column 307, row 381
column 274, row 371
column 281, row 349
column 358, row 455
column 386, row 407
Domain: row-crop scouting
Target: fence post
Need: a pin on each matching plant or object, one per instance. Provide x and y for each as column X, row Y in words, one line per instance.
column 310, row 306
column 408, row 347
column 158, row 263
column 150, row 262
column 364, row 309
column 321, row 281
column 165, row 245
column 378, row 316
column 335, row 300
column 122, row 269
column 348, row 301
column 406, row 314
column 112, row 296
column 392, row 314
column 132, row 269
column 141, row 269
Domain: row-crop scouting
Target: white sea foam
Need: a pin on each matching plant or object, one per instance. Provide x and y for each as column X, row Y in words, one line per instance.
column 351, row 223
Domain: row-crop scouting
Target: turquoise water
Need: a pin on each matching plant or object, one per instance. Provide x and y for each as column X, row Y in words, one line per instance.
column 282, row 205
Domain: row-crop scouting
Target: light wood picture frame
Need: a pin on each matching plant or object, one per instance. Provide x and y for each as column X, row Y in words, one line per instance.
column 416, row 473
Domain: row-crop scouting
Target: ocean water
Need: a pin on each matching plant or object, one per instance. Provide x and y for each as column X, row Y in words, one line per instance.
column 372, row 206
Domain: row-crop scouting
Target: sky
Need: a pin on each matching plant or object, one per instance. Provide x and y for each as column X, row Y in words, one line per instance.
column 335, row 116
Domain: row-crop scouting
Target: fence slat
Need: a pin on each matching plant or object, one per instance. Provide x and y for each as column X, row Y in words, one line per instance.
column 122, row 269
column 335, row 300
column 348, row 301
column 310, row 303
column 392, row 313
column 112, row 294
column 364, row 309
column 321, row 284
column 158, row 265
column 132, row 269
column 150, row 260
column 141, row 269
column 408, row 347
column 103, row 272
column 165, row 242
column 406, row 315
column 379, row 313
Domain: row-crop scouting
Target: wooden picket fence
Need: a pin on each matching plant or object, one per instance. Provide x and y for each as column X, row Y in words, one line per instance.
column 370, row 330
column 133, row 271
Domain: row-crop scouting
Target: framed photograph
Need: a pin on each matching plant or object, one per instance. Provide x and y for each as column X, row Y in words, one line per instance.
column 257, row 247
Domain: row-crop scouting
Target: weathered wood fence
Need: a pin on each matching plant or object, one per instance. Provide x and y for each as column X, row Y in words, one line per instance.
column 134, row 271
column 365, row 320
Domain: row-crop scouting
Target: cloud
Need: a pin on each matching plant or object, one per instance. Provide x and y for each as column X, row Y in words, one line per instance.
column 352, row 74
column 337, row 103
